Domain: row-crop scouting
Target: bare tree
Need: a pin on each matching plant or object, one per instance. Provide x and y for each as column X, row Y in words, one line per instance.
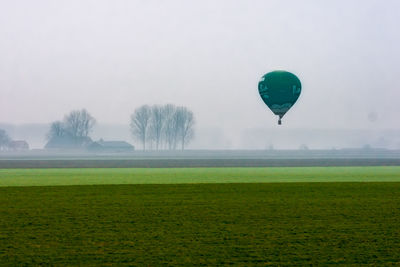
column 184, row 125
column 156, row 124
column 79, row 123
column 57, row 129
column 72, row 132
column 4, row 140
column 169, row 128
column 139, row 124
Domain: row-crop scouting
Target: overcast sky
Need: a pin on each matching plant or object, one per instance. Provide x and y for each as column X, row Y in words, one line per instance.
column 113, row 56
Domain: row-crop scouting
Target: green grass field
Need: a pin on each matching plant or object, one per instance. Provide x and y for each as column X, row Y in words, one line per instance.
column 48, row 177
column 205, row 216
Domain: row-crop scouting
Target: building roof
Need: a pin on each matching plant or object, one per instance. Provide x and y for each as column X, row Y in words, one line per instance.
column 19, row 142
column 68, row 142
column 111, row 146
column 114, row 144
column 19, row 145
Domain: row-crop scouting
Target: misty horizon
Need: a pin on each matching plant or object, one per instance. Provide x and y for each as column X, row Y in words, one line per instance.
column 249, row 138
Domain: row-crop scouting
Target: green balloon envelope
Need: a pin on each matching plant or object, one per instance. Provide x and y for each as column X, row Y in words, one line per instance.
column 279, row 90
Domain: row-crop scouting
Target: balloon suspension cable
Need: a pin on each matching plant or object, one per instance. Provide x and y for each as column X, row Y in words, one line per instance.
column 280, row 121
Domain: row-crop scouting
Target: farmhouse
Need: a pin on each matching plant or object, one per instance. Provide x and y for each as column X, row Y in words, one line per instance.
column 68, row 142
column 18, row 145
column 110, row 146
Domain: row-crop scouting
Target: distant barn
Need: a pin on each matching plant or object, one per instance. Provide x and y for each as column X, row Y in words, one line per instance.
column 18, row 145
column 68, row 142
column 110, row 146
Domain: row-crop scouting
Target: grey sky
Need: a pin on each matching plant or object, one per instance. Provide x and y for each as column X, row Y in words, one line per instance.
column 113, row 56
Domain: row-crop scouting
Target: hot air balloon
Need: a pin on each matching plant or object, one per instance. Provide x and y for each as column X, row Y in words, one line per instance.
column 279, row 90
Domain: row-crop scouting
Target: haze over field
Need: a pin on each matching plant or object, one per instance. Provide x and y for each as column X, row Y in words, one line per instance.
column 113, row 56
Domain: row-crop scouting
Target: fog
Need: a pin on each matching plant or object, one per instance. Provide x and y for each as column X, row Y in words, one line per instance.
column 112, row 56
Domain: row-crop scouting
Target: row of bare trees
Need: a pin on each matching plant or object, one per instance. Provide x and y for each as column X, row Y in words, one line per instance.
column 162, row 126
column 156, row 127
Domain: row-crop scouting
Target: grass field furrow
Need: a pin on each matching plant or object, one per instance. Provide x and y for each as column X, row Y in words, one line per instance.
column 194, row 224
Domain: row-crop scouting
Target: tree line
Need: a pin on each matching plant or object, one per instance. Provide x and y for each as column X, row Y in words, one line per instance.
column 5, row 140
column 77, row 123
column 8, row 144
column 155, row 127
column 162, row 126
